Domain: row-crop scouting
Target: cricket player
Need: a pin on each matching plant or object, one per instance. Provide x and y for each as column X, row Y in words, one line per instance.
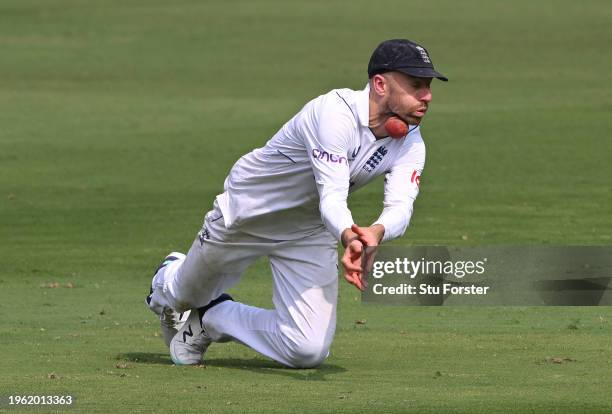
column 288, row 201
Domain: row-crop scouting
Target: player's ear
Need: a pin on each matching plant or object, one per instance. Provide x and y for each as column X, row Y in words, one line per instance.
column 379, row 84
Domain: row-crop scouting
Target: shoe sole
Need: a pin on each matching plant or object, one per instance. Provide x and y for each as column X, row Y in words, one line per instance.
column 167, row 260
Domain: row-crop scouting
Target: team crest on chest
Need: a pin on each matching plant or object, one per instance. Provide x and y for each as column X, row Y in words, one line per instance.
column 375, row 159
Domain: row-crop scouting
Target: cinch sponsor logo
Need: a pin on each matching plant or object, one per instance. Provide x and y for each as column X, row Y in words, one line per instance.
column 324, row 155
column 375, row 159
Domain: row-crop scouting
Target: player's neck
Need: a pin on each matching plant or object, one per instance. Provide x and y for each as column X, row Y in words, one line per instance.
column 376, row 120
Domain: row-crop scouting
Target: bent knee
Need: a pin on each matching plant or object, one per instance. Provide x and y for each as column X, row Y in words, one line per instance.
column 308, row 354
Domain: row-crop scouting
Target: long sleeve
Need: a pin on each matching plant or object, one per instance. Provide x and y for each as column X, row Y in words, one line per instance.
column 402, row 188
column 327, row 146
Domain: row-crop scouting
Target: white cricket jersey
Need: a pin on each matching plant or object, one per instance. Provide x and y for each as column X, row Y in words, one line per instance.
column 300, row 180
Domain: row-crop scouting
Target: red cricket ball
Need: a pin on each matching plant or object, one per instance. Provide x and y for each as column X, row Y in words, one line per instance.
column 396, row 128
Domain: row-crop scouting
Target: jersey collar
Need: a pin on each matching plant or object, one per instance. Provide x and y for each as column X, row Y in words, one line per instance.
column 363, row 106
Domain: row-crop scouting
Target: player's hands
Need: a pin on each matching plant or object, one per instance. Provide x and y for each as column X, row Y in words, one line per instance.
column 369, row 236
column 351, row 260
column 355, row 240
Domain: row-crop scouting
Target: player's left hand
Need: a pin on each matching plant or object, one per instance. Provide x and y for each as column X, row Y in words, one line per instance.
column 351, row 260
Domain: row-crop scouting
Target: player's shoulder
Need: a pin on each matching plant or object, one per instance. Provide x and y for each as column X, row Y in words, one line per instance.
column 341, row 103
column 413, row 145
column 414, row 137
column 335, row 96
column 340, row 94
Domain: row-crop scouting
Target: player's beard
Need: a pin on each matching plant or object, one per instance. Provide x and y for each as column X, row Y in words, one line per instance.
column 408, row 117
column 393, row 106
column 415, row 120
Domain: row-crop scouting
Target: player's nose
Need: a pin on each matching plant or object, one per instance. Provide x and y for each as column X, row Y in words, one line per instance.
column 426, row 95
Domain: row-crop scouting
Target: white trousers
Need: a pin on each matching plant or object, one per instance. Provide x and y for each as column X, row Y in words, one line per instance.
column 299, row 330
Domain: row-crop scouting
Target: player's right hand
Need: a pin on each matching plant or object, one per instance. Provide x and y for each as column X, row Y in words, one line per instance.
column 370, row 236
column 351, row 260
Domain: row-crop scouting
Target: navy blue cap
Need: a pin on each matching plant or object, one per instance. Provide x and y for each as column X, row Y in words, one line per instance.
column 403, row 56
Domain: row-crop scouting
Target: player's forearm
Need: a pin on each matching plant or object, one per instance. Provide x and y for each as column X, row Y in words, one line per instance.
column 395, row 221
column 335, row 215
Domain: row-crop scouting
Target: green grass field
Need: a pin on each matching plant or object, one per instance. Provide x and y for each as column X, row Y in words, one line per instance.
column 120, row 119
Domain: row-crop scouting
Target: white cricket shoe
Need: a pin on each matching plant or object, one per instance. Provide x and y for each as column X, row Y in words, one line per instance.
column 191, row 341
column 170, row 321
